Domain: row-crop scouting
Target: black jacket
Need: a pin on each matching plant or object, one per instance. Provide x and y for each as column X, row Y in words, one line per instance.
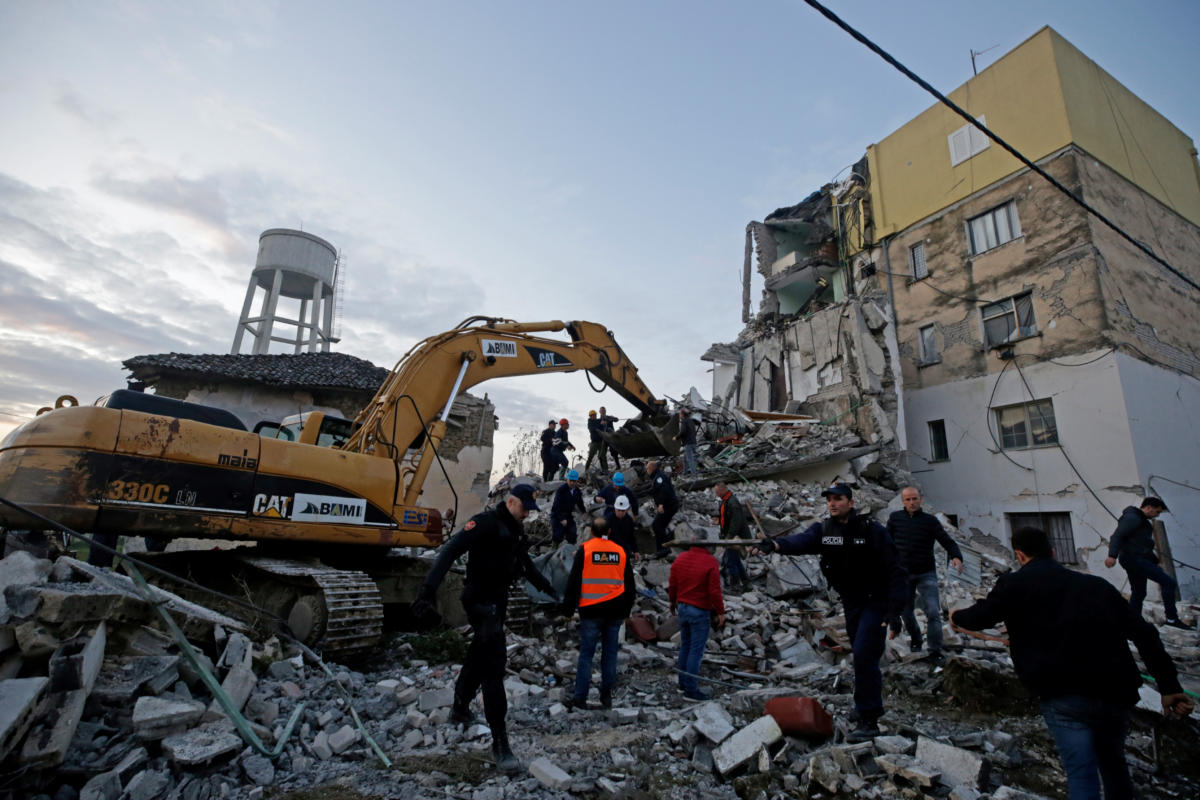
column 733, row 518
column 858, row 559
column 687, row 430
column 547, row 441
column 622, row 530
column 610, row 493
column 1069, row 634
column 595, row 428
column 617, row 608
column 498, row 552
column 1134, row 536
column 662, row 491
column 566, row 499
column 914, row 535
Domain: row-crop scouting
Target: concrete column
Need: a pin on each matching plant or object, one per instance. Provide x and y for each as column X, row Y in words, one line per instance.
column 313, row 331
column 263, row 344
column 242, row 323
column 327, row 322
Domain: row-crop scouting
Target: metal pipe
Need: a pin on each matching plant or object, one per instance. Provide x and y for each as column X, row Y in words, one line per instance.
column 466, row 362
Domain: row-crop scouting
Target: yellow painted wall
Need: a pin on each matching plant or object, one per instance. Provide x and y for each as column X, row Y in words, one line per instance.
column 1039, row 97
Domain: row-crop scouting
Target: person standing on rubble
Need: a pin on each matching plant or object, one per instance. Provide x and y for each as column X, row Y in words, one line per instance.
column 731, row 516
column 859, row 560
column 548, row 464
column 617, row 488
column 601, row 586
column 914, row 531
column 694, row 589
column 662, row 495
column 497, row 552
column 1069, row 637
column 607, row 425
column 568, row 498
column 598, row 425
column 687, row 437
column 622, row 528
column 1133, row 544
column 562, row 443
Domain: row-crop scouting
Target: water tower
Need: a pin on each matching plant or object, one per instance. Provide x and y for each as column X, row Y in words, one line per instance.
column 297, row 266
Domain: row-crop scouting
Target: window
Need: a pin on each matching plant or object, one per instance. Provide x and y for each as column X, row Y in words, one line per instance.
column 952, row 518
column 967, row 141
column 993, row 228
column 1008, row 320
column 1027, row 425
column 928, row 345
column 938, row 451
column 1057, row 524
column 916, row 257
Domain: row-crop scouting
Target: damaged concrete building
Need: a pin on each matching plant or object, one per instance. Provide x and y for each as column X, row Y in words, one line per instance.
column 266, row 388
column 1033, row 365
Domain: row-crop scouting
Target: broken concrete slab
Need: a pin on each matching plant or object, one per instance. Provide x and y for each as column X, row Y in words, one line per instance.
column 743, row 745
column 958, row 766
column 549, row 774
column 238, row 652
column 123, row 679
column 19, row 698
column 76, row 664
column 158, row 717
column 713, row 722
column 201, row 745
column 35, row 640
column 49, row 738
column 238, row 685
column 20, row 569
column 341, row 739
column 436, row 698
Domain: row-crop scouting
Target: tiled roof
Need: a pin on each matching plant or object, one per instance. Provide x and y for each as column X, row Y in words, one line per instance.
column 335, row 370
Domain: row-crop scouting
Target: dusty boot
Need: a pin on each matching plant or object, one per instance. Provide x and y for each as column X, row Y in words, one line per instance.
column 460, row 714
column 606, row 698
column 506, row 762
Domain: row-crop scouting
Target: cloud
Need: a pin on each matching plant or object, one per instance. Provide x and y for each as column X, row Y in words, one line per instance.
column 198, row 199
column 76, row 105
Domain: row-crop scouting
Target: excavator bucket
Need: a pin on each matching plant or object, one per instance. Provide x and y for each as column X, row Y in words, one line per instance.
column 646, row 438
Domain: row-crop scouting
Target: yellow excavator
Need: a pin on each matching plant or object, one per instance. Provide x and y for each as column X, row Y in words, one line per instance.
column 323, row 516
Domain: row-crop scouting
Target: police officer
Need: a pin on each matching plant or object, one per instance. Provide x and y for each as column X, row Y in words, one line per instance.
column 567, row 499
column 601, row 586
column 497, row 552
column 662, row 494
column 860, row 563
column 548, row 462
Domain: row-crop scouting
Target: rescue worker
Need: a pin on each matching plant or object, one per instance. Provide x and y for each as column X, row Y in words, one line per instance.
column 601, row 586
column 622, row 528
column 568, row 498
column 662, row 494
column 860, row 563
column 617, row 488
column 1133, row 544
column 607, row 425
column 562, row 443
column 597, row 446
column 687, row 437
column 548, row 451
column 1069, row 637
column 914, row 531
column 731, row 516
column 694, row 589
column 497, row 552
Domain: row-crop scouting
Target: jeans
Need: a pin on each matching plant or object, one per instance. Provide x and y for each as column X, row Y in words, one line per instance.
column 689, row 458
column 693, row 637
column 867, row 628
column 1090, row 734
column 732, row 567
column 604, row 632
column 1141, row 569
column 484, row 664
column 927, row 586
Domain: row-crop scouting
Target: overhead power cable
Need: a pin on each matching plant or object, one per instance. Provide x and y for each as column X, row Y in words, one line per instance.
column 835, row 19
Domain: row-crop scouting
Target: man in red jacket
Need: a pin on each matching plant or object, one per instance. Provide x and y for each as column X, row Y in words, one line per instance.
column 695, row 592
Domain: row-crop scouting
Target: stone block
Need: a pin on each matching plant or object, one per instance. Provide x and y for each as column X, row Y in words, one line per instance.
column 158, row 717
column 291, row 690
column 148, row 784
column 549, row 774
column 823, row 771
column 259, row 770
column 855, row 759
column 624, row 716
column 265, row 711
column 283, row 671
column 19, row 698
column 123, row 679
column 713, row 722
column 702, row 759
column 238, row 684
column 238, row 652
column 744, row 745
column 407, row 696
column 342, row 739
column 35, row 640
column 959, row 767
column 320, row 747
column 20, row 569
column 105, row 786
column 413, row 739
column 895, row 744
column 435, row 698
column 200, row 745
column 49, row 739
column 76, row 664
column 388, row 686
column 67, row 604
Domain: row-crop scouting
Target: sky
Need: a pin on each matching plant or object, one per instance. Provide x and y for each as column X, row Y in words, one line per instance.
column 528, row 160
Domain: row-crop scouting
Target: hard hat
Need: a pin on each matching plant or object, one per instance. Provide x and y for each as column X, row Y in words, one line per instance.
column 573, row 475
column 622, row 503
column 563, row 422
column 618, row 479
column 591, row 413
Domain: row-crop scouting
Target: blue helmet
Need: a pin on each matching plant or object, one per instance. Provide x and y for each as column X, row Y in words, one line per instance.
column 573, row 475
column 618, row 479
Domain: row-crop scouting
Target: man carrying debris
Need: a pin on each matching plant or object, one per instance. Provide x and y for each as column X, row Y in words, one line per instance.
column 694, row 589
column 617, row 488
column 662, row 495
column 562, row 443
column 497, row 552
column 598, row 425
column 548, row 464
column 914, row 531
column 1133, row 544
column 687, row 437
column 859, row 560
column 601, row 586
column 622, row 528
column 1069, row 636
column 731, row 516
column 567, row 499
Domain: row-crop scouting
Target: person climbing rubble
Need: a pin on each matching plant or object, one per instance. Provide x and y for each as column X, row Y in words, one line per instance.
column 1133, row 543
column 731, row 516
column 914, row 531
column 548, row 464
column 1069, row 636
column 568, row 498
column 666, row 503
column 497, row 552
column 621, row 525
column 609, row 494
column 859, row 560
column 687, row 438
column 601, row 586
column 694, row 589
column 561, row 444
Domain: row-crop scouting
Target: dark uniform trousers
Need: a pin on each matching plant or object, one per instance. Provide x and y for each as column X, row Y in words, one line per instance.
column 483, row 668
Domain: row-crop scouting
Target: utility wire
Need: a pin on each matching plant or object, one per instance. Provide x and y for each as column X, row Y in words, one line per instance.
column 835, row 19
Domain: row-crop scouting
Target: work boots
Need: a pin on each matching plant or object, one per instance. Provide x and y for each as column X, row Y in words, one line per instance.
column 460, row 712
column 606, row 698
column 506, row 762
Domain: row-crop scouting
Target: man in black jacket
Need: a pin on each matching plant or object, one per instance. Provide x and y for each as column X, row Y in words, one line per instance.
column 622, row 528
column 549, row 465
column 497, row 552
column 1133, row 544
column 914, row 531
column 568, row 499
column 731, row 516
column 1069, row 636
column 860, row 563
column 666, row 503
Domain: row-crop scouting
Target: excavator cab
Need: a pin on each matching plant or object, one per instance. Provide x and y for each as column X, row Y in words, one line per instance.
column 310, row 427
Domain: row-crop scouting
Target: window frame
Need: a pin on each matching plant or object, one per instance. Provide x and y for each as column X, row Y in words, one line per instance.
column 1012, row 223
column 1063, row 545
column 933, row 442
column 1049, row 424
column 928, row 351
column 970, row 142
column 1013, row 311
column 913, row 249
